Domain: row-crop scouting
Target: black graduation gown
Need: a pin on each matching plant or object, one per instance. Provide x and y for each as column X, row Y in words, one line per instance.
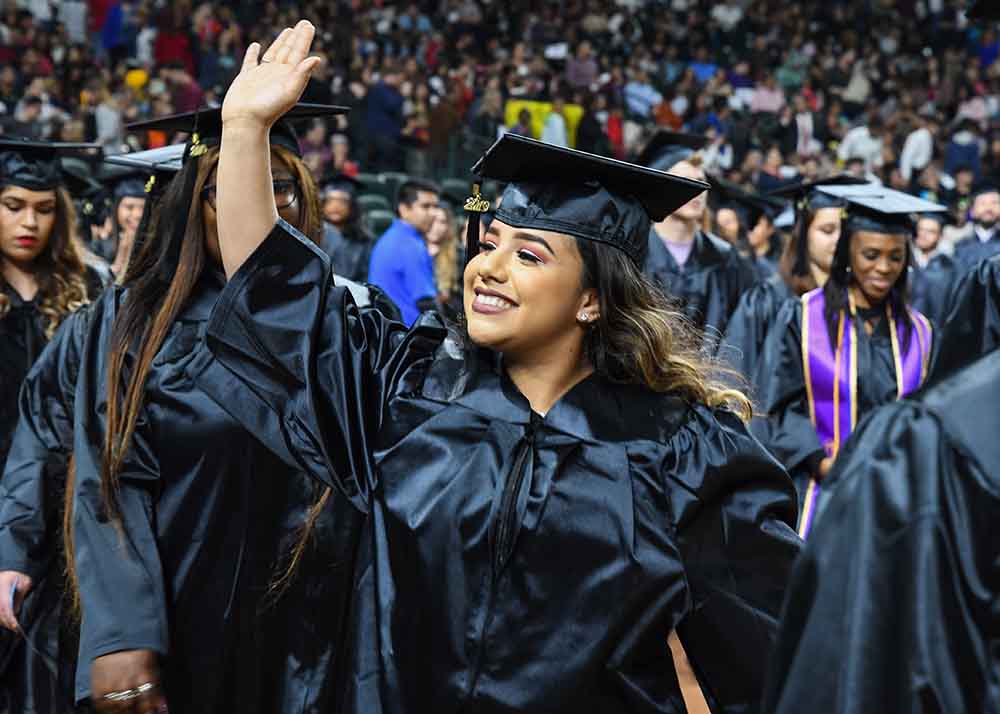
column 210, row 516
column 756, row 312
column 513, row 562
column 931, row 285
column 893, row 605
column 22, row 339
column 709, row 284
column 36, row 675
column 971, row 327
column 785, row 428
column 350, row 252
column 969, row 252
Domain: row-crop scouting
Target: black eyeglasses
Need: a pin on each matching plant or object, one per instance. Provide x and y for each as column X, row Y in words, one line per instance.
column 286, row 193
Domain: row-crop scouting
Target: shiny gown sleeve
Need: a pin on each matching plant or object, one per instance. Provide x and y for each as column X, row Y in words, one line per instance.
column 303, row 368
column 735, row 530
column 784, row 426
column 892, row 606
column 743, row 342
column 118, row 567
column 971, row 327
column 34, row 478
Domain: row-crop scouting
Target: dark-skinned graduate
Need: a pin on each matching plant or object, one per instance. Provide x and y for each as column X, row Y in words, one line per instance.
column 841, row 350
column 702, row 272
column 892, row 607
column 211, row 576
column 551, row 489
column 804, row 265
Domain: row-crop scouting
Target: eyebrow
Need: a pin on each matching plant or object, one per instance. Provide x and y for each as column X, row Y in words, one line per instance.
column 521, row 235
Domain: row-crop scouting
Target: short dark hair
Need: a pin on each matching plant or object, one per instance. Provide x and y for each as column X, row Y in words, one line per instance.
column 406, row 194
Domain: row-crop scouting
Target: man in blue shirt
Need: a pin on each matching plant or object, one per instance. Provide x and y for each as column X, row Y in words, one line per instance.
column 400, row 263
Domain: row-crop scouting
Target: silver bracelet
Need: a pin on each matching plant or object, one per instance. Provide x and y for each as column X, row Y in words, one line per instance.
column 130, row 694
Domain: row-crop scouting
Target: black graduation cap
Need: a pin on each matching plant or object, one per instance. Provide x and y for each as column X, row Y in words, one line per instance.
column 205, row 125
column 342, row 182
column 665, row 149
column 984, row 10
column 872, row 207
column 806, row 194
column 35, row 165
column 747, row 205
column 984, row 186
column 584, row 195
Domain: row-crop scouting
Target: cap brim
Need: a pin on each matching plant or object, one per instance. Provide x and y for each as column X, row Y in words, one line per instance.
column 514, row 158
column 166, row 158
column 209, row 121
column 663, row 141
column 881, row 199
column 796, row 190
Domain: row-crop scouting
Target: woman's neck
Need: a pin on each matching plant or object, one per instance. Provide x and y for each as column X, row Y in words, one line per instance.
column 123, row 253
column 21, row 278
column 543, row 383
column 862, row 301
column 676, row 230
column 819, row 275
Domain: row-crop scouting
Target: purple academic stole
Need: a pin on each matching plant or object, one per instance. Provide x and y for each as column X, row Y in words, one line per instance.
column 831, row 376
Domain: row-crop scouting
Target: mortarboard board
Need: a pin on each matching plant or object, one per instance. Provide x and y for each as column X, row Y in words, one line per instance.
column 35, row 165
column 587, row 196
column 666, row 149
column 342, row 182
column 747, row 205
column 205, row 125
column 872, row 207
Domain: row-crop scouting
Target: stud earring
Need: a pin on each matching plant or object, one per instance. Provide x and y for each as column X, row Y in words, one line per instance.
column 584, row 317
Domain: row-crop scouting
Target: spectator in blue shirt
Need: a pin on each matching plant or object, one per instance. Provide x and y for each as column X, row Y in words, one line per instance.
column 400, row 263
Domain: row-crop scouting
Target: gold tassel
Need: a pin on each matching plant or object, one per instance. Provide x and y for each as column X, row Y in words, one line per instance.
column 150, row 183
column 197, row 148
column 476, row 203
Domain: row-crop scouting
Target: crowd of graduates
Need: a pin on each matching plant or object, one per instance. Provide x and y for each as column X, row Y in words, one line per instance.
column 595, row 435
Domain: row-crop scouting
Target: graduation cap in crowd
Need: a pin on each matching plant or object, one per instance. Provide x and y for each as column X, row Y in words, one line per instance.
column 750, row 207
column 587, row 196
column 342, row 182
column 807, row 196
column 91, row 197
column 665, row 149
column 204, row 130
column 873, row 207
column 204, row 126
column 36, row 165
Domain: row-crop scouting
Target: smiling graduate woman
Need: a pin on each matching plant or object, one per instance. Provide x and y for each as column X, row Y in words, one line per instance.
column 551, row 493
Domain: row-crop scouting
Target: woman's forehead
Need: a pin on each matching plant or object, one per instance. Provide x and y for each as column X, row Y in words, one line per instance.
column 26, row 194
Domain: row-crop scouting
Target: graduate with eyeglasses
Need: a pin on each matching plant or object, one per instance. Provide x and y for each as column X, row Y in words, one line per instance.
column 211, row 577
column 841, row 350
column 549, row 491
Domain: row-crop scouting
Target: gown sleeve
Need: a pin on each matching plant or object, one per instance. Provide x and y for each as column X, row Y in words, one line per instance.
column 892, row 606
column 971, row 327
column 118, row 567
column 784, row 425
column 302, row 367
column 743, row 342
column 34, row 478
column 734, row 515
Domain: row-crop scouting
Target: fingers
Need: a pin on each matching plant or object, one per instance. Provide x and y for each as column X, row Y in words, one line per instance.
column 306, row 67
column 251, row 56
column 7, row 618
column 272, row 51
column 301, row 42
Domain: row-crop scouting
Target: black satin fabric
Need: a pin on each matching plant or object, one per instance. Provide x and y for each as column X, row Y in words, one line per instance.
column 37, row 669
column 511, row 562
column 931, row 285
column 756, row 313
column 971, row 327
column 784, row 426
column 708, row 285
column 893, row 605
column 971, row 251
column 209, row 518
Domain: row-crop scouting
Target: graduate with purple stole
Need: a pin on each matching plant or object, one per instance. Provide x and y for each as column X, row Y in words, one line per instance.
column 848, row 347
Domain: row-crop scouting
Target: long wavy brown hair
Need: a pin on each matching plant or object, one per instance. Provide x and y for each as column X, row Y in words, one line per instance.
column 59, row 269
column 150, row 308
column 639, row 339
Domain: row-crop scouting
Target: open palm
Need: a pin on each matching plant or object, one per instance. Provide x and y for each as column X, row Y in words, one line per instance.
column 269, row 85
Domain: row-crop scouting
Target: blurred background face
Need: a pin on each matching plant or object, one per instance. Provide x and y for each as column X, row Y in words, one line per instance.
column 129, row 213
column 26, row 222
column 986, row 209
column 728, row 223
column 438, row 231
column 694, row 209
column 337, row 207
column 928, row 234
column 420, row 213
column 822, row 237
